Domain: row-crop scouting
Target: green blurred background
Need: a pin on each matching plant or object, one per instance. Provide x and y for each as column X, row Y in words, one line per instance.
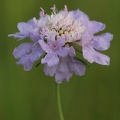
column 31, row 95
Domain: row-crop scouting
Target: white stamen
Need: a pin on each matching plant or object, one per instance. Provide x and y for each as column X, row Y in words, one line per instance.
column 42, row 12
column 65, row 8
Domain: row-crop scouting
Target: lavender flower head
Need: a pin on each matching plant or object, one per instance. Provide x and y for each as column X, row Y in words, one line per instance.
column 57, row 38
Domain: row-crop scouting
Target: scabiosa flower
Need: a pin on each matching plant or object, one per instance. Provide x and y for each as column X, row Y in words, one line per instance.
column 55, row 37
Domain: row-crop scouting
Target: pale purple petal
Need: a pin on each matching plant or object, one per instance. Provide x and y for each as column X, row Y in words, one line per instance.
column 63, row 51
column 88, row 53
column 31, row 22
column 18, row 35
column 61, row 41
column 80, row 15
column 95, row 27
column 28, row 54
column 86, row 37
column 101, row 58
column 72, row 52
column 22, row 50
column 36, row 52
column 51, row 59
column 51, row 40
column 63, row 72
column 77, row 67
column 93, row 56
column 102, row 42
column 34, row 35
column 51, row 71
column 25, row 30
column 45, row 46
column 26, row 62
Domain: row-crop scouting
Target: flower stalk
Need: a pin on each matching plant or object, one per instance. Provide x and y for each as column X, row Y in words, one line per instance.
column 59, row 102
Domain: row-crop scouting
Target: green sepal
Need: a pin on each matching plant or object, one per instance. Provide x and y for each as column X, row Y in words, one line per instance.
column 81, row 61
column 40, row 60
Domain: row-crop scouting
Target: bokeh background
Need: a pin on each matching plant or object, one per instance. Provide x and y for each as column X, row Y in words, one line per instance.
column 31, row 95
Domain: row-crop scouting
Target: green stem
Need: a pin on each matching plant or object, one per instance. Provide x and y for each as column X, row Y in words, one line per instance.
column 59, row 101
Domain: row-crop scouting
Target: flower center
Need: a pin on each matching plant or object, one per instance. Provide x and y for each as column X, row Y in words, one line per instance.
column 61, row 32
column 61, row 24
